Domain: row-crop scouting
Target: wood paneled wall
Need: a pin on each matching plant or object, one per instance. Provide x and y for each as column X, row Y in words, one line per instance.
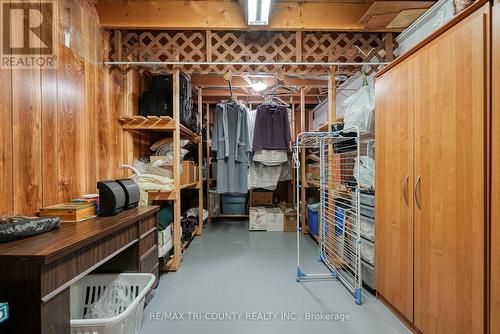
column 59, row 129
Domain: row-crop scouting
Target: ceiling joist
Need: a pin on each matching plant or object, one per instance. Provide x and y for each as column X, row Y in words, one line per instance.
column 186, row 15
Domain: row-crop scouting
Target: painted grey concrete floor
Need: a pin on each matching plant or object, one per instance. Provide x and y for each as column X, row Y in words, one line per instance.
column 246, row 282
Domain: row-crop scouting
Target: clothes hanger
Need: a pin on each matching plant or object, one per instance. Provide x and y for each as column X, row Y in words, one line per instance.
column 275, row 100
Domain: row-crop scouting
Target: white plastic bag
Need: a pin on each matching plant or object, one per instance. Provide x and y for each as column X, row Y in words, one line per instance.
column 115, row 299
column 360, row 110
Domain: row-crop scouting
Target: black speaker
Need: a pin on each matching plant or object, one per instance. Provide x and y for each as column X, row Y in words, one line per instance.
column 132, row 193
column 111, row 198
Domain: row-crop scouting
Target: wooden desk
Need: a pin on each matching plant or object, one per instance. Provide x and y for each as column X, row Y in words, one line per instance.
column 36, row 272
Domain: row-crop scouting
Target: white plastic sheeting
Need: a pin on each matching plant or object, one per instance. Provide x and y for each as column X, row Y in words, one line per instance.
column 360, row 110
column 366, row 167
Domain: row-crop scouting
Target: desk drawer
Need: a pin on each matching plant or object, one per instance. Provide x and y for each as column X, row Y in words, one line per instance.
column 146, row 225
column 148, row 242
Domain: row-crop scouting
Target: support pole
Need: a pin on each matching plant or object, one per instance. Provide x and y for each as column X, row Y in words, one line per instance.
column 303, row 182
column 200, row 166
column 209, row 157
column 332, row 97
column 175, row 263
column 294, row 136
column 302, row 109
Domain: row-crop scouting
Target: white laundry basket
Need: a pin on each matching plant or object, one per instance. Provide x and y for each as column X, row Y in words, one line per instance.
column 87, row 291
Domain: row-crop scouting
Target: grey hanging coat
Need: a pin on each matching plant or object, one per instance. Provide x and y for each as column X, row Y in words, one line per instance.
column 231, row 142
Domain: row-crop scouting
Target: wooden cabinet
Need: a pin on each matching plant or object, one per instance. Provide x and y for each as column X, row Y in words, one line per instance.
column 446, row 156
column 495, row 175
column 394, row 166
column 450, row 161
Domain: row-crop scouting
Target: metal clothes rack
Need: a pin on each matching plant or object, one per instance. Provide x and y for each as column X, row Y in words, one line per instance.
column 237, row 63
column 339, row 236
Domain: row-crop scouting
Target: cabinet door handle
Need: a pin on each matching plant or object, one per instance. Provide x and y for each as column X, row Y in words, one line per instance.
column 415, row 192
column 405, row 189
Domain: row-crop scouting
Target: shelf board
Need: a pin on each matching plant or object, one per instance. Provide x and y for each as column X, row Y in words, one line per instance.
column 154, row 195
column 312, row 184
column 314, row 237
column 160, row 124
column 185, row 244
column 194, row 185
column 190, row 135
column 154, row 123
column 171, row 265
column 231, row 216
column 313, row 157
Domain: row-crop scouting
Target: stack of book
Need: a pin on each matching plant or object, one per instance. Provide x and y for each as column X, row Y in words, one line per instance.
column 70, row 212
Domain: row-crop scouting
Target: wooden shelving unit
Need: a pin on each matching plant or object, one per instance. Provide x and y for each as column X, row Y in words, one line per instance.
column 161, row 124
column 171, row 125
column 305, row 156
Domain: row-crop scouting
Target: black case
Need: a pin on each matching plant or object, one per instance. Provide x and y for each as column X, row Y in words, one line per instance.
column 132, row 193
column 159, row 99
column 111, row 198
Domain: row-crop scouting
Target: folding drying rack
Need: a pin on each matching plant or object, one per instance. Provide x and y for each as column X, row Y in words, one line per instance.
column 339, row 238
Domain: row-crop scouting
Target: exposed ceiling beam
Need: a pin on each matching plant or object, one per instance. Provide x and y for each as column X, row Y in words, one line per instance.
column 186, row 15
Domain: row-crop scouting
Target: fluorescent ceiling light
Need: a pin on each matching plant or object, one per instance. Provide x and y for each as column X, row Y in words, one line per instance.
column 258, row 12
column 259, row 86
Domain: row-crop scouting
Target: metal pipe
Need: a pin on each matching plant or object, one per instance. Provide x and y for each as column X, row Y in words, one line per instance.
column 208, row 63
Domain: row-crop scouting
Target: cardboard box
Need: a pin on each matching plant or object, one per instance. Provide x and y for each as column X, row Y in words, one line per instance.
column 188, row 172
column 290, row 224
column 313, row 172
column 213, row 203
column 275, row 219
column 262, row 198
column 258, row 220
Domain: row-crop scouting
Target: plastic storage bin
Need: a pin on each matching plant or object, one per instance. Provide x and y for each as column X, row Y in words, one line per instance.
column 366, row 199
column 368, row 274
column 233, row 204
column 87, row 291
column 312, row 220
column 368, row 211
column 367, row 228
column 368, row 251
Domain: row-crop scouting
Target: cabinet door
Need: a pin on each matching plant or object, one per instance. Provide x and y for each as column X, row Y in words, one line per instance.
column 394, row 197
column 495, row 174
column 450, row 161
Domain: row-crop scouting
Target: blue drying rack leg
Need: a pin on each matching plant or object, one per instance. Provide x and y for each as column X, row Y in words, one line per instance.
column 321, row 258
column 357, row 296
column 300, row 274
